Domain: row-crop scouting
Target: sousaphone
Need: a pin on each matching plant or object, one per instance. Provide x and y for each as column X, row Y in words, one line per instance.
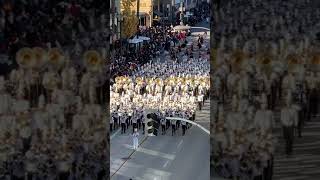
column 25, row 57
column 41, row 57
column 264, row 60
column 158, row 81
column 93, row 61
column 314, row 63
column 118, row 79
column 293, row 62
column 237, row 60
column 56, row 58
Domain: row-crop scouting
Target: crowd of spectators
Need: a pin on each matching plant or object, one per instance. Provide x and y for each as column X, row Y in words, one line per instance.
column 162, row 38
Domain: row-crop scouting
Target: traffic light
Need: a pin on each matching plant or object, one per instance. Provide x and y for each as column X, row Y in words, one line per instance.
column 152, row 125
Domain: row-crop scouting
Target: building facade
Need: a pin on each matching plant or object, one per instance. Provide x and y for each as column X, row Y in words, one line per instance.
column 145, row 9
column 164, row 10
column 115, row 19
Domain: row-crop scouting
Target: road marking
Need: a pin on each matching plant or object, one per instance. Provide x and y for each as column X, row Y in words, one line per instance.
column 114, row 134
column 166, row 164
column 152, row 152
column 145, row 138
column 180, row 143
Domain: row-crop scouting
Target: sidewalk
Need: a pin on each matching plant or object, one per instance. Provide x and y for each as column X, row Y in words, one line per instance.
column 119, row 150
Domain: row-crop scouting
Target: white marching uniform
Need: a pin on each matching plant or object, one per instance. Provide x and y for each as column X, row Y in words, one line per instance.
column 135, row 140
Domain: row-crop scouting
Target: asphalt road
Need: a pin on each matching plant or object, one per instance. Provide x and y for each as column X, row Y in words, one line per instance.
column 164, row 157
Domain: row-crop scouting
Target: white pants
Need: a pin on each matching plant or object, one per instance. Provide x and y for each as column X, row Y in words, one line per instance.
column 135, row 143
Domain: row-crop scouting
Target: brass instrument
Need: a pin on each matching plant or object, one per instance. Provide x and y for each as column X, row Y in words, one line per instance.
column 264, row 60
column 41, row 56
column 25, row 58
column 56, row 58
column 158, row 81
column 237, row 60
column 314, row 62
column 93, row 60
column 293, row 62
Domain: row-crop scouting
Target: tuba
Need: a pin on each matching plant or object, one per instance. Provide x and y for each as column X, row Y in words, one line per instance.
column 93, row 61
column 237, row 60
column 314, row 63
column 158, row 81
column 293, row 62
column 25, row 57
column 118, row 79
column 41, row 57
column 56, row 58
column 264, row 60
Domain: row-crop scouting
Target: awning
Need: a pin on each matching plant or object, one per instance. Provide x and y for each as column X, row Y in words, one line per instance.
column 144, row 38
column 181, row 27
column 135, row 41
column 200, row 33
column 139, row 39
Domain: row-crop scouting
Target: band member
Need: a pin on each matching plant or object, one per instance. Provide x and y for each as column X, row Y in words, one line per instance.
column 143, row 123
column 139, row 116
column 289, row 120
column 123, row 123
column 112, row 122
column 129, row 118
column 173, row 126
column 163, row 125
column 200, row 101
column 134, row 122
column 184, row 127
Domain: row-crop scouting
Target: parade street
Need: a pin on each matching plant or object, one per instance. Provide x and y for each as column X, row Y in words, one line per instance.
column 164, row 157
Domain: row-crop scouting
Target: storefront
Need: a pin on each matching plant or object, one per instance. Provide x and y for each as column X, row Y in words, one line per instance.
column 144, row 19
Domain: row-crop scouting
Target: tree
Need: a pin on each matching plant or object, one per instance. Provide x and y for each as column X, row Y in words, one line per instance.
column 130, row 20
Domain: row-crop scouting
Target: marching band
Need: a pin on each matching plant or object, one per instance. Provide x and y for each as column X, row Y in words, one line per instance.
column 51, row 126
column 172, row 88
